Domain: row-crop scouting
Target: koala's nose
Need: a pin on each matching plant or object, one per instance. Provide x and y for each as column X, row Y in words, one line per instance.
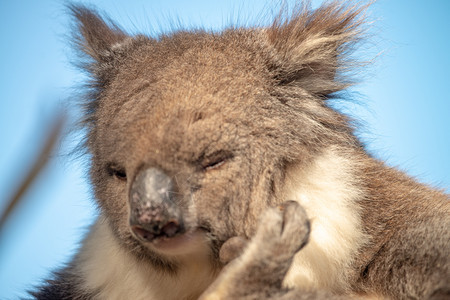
column 153, row 209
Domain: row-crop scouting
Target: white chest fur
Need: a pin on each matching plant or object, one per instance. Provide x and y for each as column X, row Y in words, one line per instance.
column 117, row 274
column 328, row 192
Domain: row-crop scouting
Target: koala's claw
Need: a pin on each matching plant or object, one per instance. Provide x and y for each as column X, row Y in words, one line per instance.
column 296, row 223
column 285, row 228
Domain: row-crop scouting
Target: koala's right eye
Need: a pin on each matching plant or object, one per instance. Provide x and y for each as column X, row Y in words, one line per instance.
column 116, row 171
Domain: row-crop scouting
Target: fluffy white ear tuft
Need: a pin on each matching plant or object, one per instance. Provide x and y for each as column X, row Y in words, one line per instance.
column 311, row 48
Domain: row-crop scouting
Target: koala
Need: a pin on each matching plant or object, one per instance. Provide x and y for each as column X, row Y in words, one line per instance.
column 222, row 172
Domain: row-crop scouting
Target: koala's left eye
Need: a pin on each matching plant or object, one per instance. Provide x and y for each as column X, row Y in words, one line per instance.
column 116, row 171
column 216, row 160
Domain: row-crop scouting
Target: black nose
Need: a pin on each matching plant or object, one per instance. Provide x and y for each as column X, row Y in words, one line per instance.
column 153, row 209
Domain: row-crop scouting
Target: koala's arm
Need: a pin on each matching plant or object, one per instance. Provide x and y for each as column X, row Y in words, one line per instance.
column 259, row 271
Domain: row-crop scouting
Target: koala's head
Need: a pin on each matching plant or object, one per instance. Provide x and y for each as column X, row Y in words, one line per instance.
column 193, row 131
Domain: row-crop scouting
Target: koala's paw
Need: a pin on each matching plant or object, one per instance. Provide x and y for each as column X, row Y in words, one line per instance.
column 259, row 271
column 283, row 230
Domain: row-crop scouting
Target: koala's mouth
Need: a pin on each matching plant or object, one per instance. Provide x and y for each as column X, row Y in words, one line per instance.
column 154, row 232
column 179, row 242
column 171, row 240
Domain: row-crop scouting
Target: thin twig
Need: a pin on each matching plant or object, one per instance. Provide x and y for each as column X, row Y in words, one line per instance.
column 38, row 165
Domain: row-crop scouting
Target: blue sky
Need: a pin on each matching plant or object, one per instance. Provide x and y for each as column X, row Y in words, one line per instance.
column 405, row 110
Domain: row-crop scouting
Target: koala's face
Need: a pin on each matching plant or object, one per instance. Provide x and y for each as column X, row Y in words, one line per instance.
column 185, row 140
column 191, row 133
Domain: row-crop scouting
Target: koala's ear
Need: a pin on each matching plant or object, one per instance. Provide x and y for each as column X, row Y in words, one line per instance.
column 311, row 48
column 94, row 35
